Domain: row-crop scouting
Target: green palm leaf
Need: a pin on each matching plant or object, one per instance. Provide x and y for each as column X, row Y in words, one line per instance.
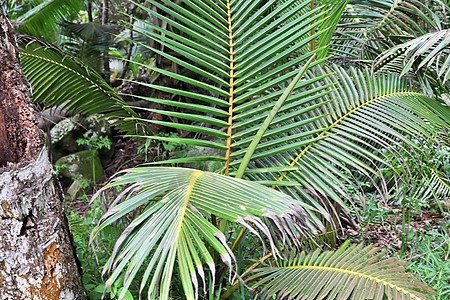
column 60, row 80
column 434, row 185
column 351, row 272
column 44, row 18
column 337, row 7
column 402, row 15
column 369, row 120
column 247, row 51
column 370, row 27
column 427, row 53
column 398, row 18
column 174, row 225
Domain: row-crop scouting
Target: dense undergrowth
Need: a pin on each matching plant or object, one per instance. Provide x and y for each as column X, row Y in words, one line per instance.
column 427, row 253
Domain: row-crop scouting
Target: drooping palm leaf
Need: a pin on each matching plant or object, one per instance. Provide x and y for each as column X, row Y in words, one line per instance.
column 174, row 226
column 370, row 27
column 351, row 272
column 427, row 53
column 432, row 187
column 61, row 80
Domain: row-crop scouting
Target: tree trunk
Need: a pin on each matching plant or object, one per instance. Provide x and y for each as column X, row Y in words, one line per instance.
column 37, row 257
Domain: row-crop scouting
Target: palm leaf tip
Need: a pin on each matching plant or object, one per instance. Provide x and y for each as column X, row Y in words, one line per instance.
column 351, row 272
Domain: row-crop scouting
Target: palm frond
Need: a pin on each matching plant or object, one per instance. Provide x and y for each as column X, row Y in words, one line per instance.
column 92, row 31
column 367, row 131
column 174, row 226
column 432, row 187
column 44, row 18
column 404, row 17
column 400, row 18
column 370, row 27
column 60, row 80
column 247, row 52
column 351, row 272
column 336, row 8
column 426, row 54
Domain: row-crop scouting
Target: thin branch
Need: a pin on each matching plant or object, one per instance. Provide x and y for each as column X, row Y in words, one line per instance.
column 422, row 254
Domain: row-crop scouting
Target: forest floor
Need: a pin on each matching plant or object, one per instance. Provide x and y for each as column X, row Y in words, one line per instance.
column 388, row 234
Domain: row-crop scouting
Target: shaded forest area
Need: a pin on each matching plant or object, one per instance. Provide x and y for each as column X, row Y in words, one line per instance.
column 247, row 149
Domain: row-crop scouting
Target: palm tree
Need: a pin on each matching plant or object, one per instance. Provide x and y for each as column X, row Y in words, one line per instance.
column 284, row 117
column 308, row 134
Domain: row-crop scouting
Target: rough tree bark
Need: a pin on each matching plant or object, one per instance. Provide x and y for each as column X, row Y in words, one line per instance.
column 37, row 257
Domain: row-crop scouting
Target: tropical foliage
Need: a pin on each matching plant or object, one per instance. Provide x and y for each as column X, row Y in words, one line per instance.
column 43, row 18
column 255, row 81
column 174, row 229
column 333, row 131
column 51, row 72
column 351, row 272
